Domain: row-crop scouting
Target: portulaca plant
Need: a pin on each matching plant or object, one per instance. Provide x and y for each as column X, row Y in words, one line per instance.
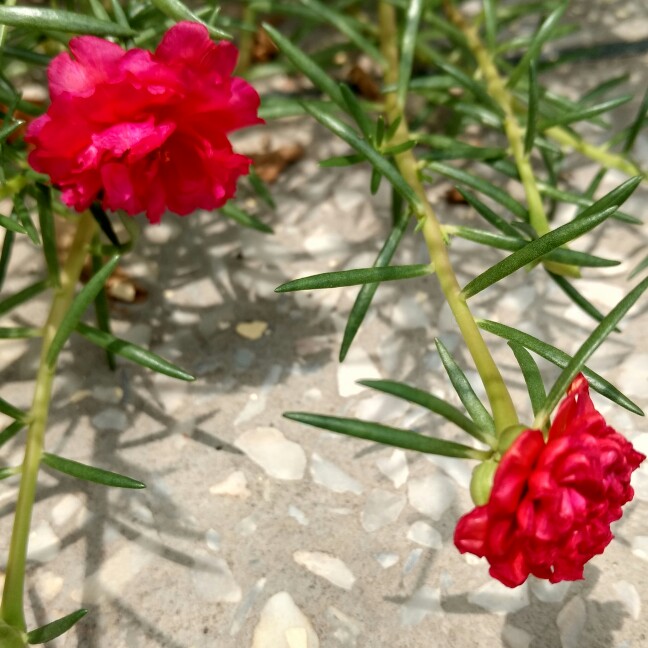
column 143, row 99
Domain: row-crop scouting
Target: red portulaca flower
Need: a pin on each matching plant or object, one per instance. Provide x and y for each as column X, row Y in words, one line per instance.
column 552, row 502
column 145, row 131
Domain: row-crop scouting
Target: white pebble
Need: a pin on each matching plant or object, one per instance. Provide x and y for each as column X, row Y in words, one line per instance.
column 43, row 543
column 381, row 407
column 67, row 509
column 381, row 508
column 571, row 621
column 110, row 419
column 213, row 540
column 394, row 467
column 48, row 585
column 431, row 495
column 214, row 582
column 411, row 560
column 549, row 592
column 459, row 469
column 424, row 534
column 348, row 629
column 408, row 314
column 516, row 637
column 269, row 448
column 297, row 514
column 498, row 598
column 386, row 559
column 329, row 567
column 235, row 485
column 325, row 243
column 278, row 618
column 629, row 596
column 425, row 600
column 356, row 366
column 247, row 526
column 327, row 474
column 640, row 546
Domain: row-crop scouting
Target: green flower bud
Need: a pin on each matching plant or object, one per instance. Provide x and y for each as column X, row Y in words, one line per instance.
column 508, row 436
column 481, row 483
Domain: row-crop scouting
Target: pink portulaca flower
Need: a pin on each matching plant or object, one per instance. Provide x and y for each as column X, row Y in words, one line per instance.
column 552, row 502
column 144, row 131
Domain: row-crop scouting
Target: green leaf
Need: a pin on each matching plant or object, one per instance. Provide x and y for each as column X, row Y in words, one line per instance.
column 8, row 129
column 18, row 332
column 398, row 148
column 560, row 359
column 11, row 411
column 102, row 311
column 243, row 218
column 476, row 88
column 50, row 631
column 532, row 108
column 408, row 47
column 98, row 10
column 59, row 20
column 429, row 401
column 614, row 198
column 319, row 77
column 540, row 38
column 532, row 376
column 179, row 11
column 595, row 339
column 636, row 125
column 488, row 214
column 366, row 293
column 490, row 23
column 85, row 297
column 48, row 231
column 374, row 183
column 641, row 266
column 448, row 148
column 587, row 112
column 356, row 277
column 119, row 14
column 12, row 225
column 23, row 295
column 345, row 27
column 5, row 255
column 387, row 435
column 604, row 88
column 9, row 471
column 343, row 131
column 467, row 395
column 261, row 188
column 580, row 300
column 357, row 112
column 481, row 185
column 25, row 218
column 10, row 431
column 132, row 352
column 341, row 161
column 500, row 242
column 89, row 473
column 576, row 199
column 535, row 250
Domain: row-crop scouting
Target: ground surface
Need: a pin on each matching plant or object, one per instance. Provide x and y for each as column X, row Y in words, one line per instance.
column 249, row 517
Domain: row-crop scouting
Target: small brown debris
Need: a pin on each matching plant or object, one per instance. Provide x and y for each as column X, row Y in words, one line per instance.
column 270, row 164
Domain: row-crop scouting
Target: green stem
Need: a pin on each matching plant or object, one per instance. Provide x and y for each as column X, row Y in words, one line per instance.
column 497, row 90
column 597, row 153
column 500, row 400
column 247, row 40
column 12, row 609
